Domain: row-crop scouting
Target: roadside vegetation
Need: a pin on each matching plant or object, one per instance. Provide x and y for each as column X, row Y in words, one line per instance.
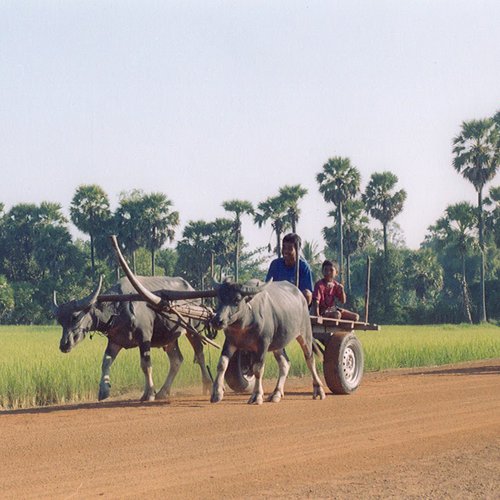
column 33, row 372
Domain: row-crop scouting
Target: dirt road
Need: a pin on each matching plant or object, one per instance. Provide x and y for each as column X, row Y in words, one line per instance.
column 431, row 433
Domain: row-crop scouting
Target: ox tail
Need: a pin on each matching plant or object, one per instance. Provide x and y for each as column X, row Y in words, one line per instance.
column 318, row 349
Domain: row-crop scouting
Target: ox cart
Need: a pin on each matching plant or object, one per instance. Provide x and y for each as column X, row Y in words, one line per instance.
column 334, row 339
column 342, row 352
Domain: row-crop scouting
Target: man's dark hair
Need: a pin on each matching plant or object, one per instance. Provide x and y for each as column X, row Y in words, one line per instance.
column 292, row 238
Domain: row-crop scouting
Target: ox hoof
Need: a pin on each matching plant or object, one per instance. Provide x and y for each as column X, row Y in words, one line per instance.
column 318, row 392
column 216, row 396
column 256, row 399
column 148, row 396
column 163, row 395
column 275, row 397
column 104, row 390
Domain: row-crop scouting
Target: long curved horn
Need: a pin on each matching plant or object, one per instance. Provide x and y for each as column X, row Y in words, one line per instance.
column 55, row 307
column 252, row 290
column 90, row 299
column 148, row 295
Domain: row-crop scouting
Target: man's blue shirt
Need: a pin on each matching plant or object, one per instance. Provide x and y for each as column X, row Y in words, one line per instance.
column 278, row 271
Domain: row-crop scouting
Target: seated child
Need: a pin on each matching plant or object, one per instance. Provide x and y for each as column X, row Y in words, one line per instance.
column 326, row 291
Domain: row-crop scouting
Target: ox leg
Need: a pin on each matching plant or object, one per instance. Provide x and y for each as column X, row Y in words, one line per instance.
column 110, row 354
column 149, row 391
column 175, row 358
column 257, row 397
column 199, row 357
column 318, row 390
column 284, row 367
column 218, row 387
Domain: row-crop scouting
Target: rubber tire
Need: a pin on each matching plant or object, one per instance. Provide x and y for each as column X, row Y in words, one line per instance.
column 343, row 363
column 239, row 376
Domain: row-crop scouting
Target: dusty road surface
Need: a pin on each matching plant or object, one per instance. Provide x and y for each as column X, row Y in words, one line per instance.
column 432, row 433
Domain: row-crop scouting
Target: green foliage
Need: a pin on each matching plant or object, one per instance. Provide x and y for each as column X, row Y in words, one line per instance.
column 6, row 297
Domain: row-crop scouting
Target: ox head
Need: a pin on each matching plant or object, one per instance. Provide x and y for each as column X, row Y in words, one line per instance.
column 76, row 318
column 233, row 301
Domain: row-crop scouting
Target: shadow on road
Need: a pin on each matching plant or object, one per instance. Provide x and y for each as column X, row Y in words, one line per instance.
column 95, row 406
column 471, row 370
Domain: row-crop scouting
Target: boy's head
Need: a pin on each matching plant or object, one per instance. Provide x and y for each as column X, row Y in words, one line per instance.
column 329, row 269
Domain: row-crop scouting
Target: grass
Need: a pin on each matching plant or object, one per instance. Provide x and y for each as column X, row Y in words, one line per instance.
column 33, row 372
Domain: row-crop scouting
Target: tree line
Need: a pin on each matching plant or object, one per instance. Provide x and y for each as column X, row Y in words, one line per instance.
column 452, row 277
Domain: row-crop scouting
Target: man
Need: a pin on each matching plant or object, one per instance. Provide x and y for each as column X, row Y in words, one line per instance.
column 284, row 268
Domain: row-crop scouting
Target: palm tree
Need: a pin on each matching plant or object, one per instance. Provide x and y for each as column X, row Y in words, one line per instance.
column 275, row 210
column 338, row 182
column 194, row 253
column 457, row 230
column 89, row 210
column 381, row 202
column 291, row 196
column 238, row 207
column 477, row 154
column 128, row 222
column 159, row 223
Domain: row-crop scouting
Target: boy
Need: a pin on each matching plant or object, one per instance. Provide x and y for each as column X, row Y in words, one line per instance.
column 326, row 292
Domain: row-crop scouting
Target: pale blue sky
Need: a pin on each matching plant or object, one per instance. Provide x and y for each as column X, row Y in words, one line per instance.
column 208, row 101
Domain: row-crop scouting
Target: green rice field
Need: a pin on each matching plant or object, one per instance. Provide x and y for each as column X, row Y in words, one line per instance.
column 33, row 372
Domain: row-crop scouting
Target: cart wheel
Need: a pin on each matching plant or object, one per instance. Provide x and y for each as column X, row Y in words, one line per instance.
column 239, row 375
column 343, row 363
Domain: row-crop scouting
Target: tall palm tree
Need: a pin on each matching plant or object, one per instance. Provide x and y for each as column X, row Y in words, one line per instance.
column 338, row 182
column 381, row 202
column 159, row 223
column 128, row 222
column 291, row 196
column 274, row 210
column 477, row 155
column 457, row 230
column 238, row 207
column 193, row 252
column 89, row 211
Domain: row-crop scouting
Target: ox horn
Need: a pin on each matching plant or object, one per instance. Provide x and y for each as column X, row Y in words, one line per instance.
column 82, row 304
column 148, row 295
column 55, row 307
column 252, row 290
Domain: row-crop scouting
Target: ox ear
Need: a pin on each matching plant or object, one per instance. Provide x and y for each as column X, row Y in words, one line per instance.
column 253, row 290
column 91, row 299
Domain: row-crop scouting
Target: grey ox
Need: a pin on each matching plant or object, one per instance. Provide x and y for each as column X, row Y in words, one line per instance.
column 129, row 324
column 259, row 319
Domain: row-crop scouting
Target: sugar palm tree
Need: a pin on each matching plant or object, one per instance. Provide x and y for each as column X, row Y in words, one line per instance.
column 291, row 196
column 382, row 202
column 158, row 222
column 89, row 211
column 477, row 155
column 457, row 230
column 273, row 210
column 338, row 182
column 238, row 207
